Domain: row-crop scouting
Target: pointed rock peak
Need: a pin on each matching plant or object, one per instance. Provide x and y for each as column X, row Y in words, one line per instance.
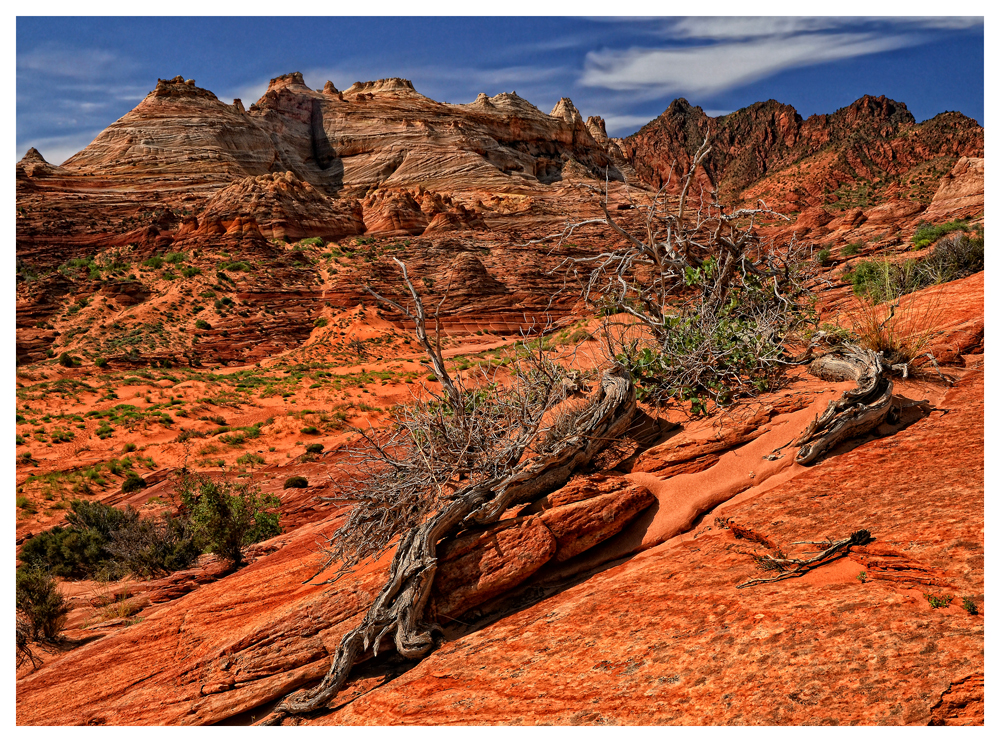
column 566, row 111
column 178, row 87
column 511, row 100
column 483, row 101
column 598, row 123
column 386, row 85
column 877, row 108
column 330, row 89
column 284, row 81
column 238, row 105
column 33, row 155
column 595, row 125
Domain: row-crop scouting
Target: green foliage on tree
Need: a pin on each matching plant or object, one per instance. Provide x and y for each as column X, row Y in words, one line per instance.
column 229, row 516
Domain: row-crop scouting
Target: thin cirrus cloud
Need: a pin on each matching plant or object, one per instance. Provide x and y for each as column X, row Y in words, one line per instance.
column 714, row 68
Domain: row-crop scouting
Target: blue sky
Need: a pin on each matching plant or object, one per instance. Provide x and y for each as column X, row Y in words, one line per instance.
column 75, row 76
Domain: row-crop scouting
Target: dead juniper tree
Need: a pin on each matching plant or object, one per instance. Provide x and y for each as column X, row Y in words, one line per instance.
column 709, row 305
column 455, row 460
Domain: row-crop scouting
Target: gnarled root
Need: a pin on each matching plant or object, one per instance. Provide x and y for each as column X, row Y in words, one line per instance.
column 399, row 607
column 858, row 411
column 788, row 568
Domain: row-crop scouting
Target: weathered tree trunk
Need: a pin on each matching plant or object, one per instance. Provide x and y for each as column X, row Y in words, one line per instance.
column 399, row 607
column 858, row 411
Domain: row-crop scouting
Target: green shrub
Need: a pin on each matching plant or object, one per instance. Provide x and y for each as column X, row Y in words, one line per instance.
column 39, row 602
column 229, row 516
column 67, row 552
column 202, row 325
column 296, row 483
column 250, row 459
column 321, row 322
column 314, row 448
column 154, row 262
column 101, row 362
column 103, row 540
column 310, row 430
column 851, row 249
column 174, row 258
column 190, row 271
column 133, row 482
column 128, row 448
column 938, row 601
column 150, row 546
column 823, row 256
column 928, row 234
column 970, row 607
column 65, row 359
column 317, row 241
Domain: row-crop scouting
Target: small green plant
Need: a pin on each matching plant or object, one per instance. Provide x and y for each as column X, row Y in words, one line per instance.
column 863, row 578
column 133, row 482
column 65, row 359
column 823, row 256
column 250, row 459
column 939, row 601
column 310, row 430
column 296, row 483
column 101, row 362
column 969, row 606
column 201, row 324
column 39, row 602
column 321, row 322
column 314, row 448
column 928, row 234
column 851, row 248
column 128, row 448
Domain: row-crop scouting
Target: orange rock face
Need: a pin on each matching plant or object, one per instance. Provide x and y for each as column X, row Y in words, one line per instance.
column 205, row 233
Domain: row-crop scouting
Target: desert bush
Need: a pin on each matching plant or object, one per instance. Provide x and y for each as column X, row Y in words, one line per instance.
column 296, row 483
column 709, row 304
column 317, row 241
column 823, row 256
column 953, row 257
column 310, row 430
column 101, row 362
column 150, row 546
column 133, row 482
column 928, row 234
column 101, row 540
column 250, row 459
column 851, row 248
column 884, row 319
column 65, row 359
column 202, row 325
column 229, row 516
column 155, row 262
column 39, row 602
column 314, row 448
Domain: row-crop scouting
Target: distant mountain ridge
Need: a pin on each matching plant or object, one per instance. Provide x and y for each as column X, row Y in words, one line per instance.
column 873, row 139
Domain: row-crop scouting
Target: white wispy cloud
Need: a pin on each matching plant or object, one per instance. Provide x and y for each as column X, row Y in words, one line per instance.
column 713, row 68
column 78, row 64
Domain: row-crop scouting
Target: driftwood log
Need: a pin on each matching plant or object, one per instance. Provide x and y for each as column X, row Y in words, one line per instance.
column 858, row 411
column 398, row 610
